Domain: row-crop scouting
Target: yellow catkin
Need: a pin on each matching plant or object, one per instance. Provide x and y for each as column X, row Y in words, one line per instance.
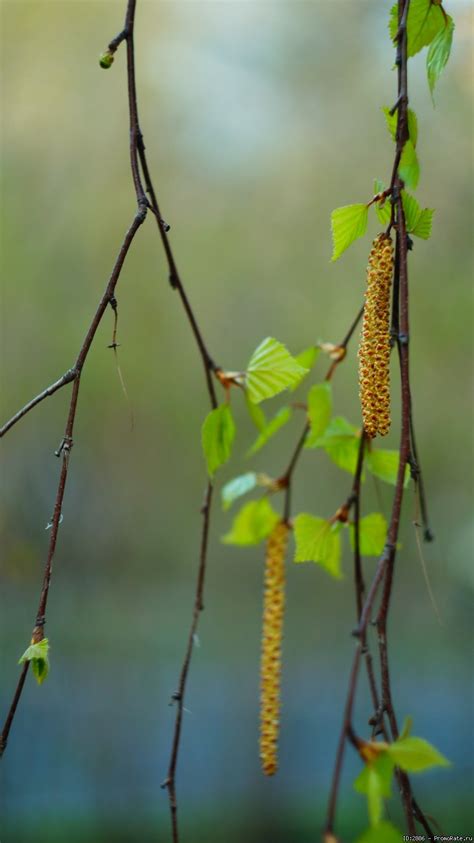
column 272, row 635
column 374, row 348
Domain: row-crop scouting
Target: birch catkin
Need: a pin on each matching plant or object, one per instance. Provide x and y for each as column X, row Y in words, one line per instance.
column 374, row 349
column 272, row 634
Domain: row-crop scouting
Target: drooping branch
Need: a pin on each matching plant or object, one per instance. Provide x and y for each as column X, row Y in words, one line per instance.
column 386, row 565
column 139, row 169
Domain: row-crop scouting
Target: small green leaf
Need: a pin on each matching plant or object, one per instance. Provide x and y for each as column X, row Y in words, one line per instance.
column 392, row 119
column 406, row 728
column 218, row 434
column 307, row 358
column 409, row 168
column 423, row 225
column 38, row 655
column 347, row 223
column 384, row 465
column 372, row 534
column 425, row 20
column 319, row 411
column 341, row 443
column 384, row 832
column 412, row 210
column 438, row 53
column 375, row 781
column 384, row 208
column 271, row 370
column 256, row 413
column 414, row 216
column 237, row 487
column 415, row 754
column 253, row 523
column 317, row 541
column 273, row 426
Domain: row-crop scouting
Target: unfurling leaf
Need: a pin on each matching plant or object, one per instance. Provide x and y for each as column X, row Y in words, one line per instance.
column 253, row 523
column 273, row 426
column 392, row 120
column 106, row 60
column 271, row 370
column 317, row 540
column 38, row 654
column 375, row 782
column 347, row 223
column 415, row 754
column 438, row 53
column 237, row 487
column 409, row 168
column 372, row 534
column 319, row 411
column 218, row 434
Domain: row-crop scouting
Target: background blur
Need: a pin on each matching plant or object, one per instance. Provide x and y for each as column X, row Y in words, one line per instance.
column 259, row 119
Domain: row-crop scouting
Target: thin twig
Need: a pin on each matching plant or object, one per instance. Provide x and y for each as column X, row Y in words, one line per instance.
column 65, row 451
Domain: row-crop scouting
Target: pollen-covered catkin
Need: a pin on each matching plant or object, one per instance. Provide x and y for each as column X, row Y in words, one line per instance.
column 374, row 348
column 272, row 635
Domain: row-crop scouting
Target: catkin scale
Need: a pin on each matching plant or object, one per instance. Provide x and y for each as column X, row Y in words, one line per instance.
column 272, row 635
column 374, row 348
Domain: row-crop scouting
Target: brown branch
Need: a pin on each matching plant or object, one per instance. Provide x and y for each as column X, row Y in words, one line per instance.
column 68, row 376
column 385, row 567
column 139, row 166
column 65, row 451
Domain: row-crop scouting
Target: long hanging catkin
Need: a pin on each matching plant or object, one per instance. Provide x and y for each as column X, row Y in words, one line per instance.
column 374, row 348
column 272, row 634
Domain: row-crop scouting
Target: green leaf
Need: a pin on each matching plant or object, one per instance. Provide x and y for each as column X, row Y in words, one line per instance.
column 256, row 414
column 391, row 120
column 253, row 523
column 375, row 781
column 341, row 443
column 384, row 208
column 412, row 210
column 38, row 655
column 271, row 370
column 415, row 754
column 347, row 223
column 319, row 411
column 217, row 435
column 415, row 218
column 423, row 225
column 384, row 465
column 273, row 426
column 409, row 168
column 317, row 541
column 237, row 487
column 438, row 53
column 406, row 728
column 307, row 358
column 372, row 534
column 384, row 832
column 425, row 20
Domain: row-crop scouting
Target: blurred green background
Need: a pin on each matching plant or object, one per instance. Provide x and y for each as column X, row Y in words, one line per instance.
column 259, row 119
